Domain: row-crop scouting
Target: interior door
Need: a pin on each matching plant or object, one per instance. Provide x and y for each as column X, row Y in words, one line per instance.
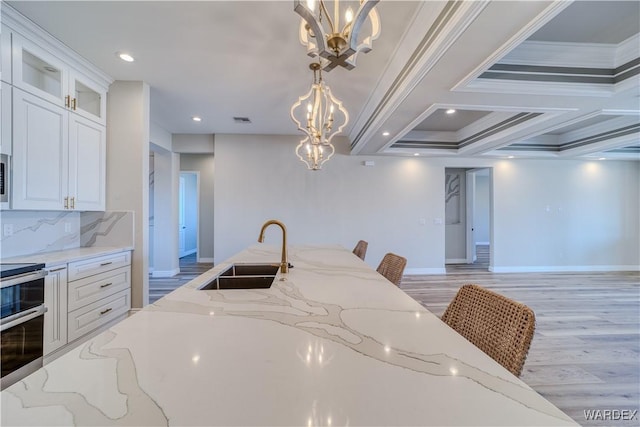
column 181, row 218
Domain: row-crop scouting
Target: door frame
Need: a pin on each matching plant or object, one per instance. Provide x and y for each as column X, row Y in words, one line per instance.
column 197, row 209
column 470, row 206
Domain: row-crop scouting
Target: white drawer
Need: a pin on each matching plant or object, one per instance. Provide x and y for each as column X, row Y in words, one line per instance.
column 93, row 288
column 92, row 316
column 90, row 267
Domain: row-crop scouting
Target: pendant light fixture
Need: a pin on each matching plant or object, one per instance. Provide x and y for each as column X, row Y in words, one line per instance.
column 333, row 34
column 320, row 116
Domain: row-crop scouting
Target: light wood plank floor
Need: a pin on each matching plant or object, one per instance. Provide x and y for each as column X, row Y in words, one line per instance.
column 585, row 354
column 189, row 269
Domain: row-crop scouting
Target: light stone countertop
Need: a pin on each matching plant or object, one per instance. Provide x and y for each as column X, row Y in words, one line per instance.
column 68, row 255
column 333, row 344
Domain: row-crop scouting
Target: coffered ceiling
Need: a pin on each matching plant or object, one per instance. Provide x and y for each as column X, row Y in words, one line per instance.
column 552, row 79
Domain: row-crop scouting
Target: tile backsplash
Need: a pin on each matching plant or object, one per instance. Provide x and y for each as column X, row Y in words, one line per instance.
column 30, row 232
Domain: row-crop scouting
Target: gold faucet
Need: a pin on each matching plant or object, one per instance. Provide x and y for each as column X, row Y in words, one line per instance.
column 284, row 264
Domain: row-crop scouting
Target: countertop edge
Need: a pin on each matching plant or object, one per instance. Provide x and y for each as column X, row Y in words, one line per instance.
column 64, row 256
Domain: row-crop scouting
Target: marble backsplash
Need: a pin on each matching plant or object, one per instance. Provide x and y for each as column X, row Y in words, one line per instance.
column 31, row 232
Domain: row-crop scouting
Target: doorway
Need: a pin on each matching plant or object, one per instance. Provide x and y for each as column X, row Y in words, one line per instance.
column 188, row 202
column 468, row 218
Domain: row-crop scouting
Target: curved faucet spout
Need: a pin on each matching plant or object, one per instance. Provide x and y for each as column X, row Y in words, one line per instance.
column 284, row 264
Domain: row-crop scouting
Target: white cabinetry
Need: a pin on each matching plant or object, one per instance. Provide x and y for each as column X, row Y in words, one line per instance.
column 53, row 120
column 58, row 158
column 37, row 71
column 99, row 292
column 55, row 299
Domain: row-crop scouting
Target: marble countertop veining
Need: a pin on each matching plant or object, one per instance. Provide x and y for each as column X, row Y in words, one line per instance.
column 333, row 343
column 68, row 255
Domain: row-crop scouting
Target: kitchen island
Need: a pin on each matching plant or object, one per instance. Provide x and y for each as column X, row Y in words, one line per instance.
column 330, row 343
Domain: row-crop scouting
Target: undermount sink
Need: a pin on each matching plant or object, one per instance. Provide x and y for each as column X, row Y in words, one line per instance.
column 244, row 276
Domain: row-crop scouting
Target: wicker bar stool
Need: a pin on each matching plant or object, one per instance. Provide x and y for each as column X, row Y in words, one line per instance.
column 361, row 249
column 497, row 325
column 392, row 267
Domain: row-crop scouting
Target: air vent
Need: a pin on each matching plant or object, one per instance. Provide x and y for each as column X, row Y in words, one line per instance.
column 244, row 120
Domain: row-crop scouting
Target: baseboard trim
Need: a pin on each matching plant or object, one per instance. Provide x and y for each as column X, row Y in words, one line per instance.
column 165, row 273
column 456, row 261
column 563, row 268
column 410, row 271
column 209, row 260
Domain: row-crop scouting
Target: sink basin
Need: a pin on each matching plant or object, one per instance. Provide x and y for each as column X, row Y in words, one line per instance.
column 244, row 276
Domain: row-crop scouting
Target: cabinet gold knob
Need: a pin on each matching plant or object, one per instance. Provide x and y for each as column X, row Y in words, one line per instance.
column 73, row 104
column 67, row 101
column 66, row 203
column 73, row 203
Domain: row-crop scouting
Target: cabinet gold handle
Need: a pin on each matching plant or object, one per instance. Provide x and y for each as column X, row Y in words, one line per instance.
column 105, row 285
column 57, row 269
column 67, row 101
column 66, row 203
column 106, row 263
column 73, row 104
column 105, row 311
column 73, row 203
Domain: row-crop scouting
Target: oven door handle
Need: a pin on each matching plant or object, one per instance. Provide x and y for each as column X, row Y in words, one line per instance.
column 22, row 278
column 25, row 316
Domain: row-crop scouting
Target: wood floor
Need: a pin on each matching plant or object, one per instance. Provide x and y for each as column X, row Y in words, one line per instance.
column 189, row 269
column 585, row 354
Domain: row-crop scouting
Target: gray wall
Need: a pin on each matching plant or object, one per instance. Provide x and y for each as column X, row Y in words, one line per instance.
column 592, row 222
column 203, row 163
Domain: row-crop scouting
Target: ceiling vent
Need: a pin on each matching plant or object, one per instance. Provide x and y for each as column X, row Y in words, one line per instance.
column 244, row 120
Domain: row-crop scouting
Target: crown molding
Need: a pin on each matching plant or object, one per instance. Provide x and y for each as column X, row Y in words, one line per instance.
column 627, row 50
column 540, row 88
column 17, row 22
column 557, row 54
column 450, row 25
column 545, row 16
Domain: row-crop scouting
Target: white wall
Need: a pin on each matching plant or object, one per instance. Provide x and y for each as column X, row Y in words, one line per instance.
column 258, row 177
column 570, row 213
column 481, row 209
column 165, row 200
column 203, row 163
column 190, row 211
column 128, row 172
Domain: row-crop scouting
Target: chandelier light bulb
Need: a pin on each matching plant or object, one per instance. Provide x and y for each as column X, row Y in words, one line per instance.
column 311, row 4
column 348, row 15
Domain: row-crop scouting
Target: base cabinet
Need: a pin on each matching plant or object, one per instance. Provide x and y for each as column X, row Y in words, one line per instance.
column 82, row 297
column 55, row 299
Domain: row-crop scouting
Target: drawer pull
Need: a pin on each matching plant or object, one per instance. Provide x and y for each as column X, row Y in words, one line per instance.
column 106, row 284
column 106, row 263
column 105, row 311
column 57, row 269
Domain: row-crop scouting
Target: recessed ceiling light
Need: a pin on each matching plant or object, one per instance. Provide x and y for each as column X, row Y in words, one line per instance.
column 450, row 111
column 416, row 154
column 196, row 118
column 602, row 158
column 125, row 56
column 509, row 157
column 385, row 134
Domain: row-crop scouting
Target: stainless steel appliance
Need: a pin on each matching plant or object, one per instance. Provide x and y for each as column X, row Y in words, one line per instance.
column 22, row 321
column 4, row 180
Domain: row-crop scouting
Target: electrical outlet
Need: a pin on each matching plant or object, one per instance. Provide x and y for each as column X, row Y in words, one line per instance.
column 7, row 230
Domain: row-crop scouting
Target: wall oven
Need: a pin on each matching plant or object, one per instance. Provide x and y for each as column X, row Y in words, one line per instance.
column 22, row 321
column 5, row 174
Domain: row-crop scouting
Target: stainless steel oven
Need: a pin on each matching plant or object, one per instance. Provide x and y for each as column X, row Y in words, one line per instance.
column 22, row 321
column 5, row 175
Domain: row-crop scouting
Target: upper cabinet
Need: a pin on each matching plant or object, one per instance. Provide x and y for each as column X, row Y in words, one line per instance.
column 53, row 125
column 38, row 72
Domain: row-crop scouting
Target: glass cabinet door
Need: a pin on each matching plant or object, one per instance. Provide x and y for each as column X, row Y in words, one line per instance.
column 35, row 71
column 87, row 98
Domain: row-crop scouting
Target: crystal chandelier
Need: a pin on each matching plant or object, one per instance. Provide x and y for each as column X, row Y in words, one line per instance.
column 321, row 33
column 320, row 116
